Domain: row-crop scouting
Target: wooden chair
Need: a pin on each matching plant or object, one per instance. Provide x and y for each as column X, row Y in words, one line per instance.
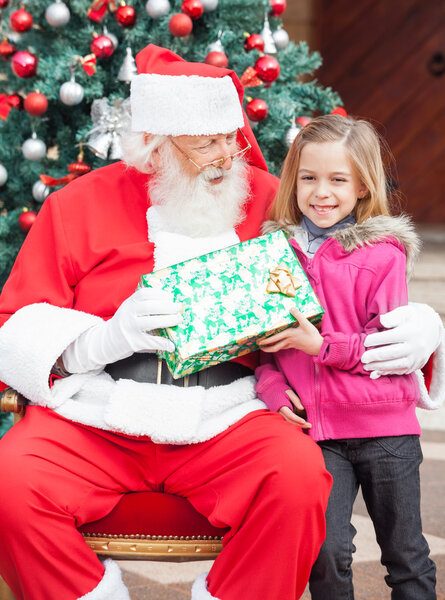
column 144, row 525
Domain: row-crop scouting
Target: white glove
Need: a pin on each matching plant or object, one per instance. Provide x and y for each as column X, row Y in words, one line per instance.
column 128, row 331
column 413, row 334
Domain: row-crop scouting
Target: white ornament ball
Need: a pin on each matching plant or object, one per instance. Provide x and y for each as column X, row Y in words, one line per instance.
column 71, row 93
column 57, row 14
column 209, row 5
column 281, row 38
column 157, row 8
column 3, row 175
column 40, row 191
column 34, row 148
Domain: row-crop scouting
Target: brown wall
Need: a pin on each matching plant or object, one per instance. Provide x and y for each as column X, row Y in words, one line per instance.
column 299, row 20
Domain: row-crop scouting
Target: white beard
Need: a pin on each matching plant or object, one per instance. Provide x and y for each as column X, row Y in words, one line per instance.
column 191, row 205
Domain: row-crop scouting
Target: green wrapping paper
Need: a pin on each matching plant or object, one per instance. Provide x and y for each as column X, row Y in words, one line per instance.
column 226, row 306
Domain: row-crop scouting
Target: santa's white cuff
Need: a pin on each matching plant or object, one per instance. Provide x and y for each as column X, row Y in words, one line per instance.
column 111, row 586
column 199, row 589
column 436, row 396
column 30, row 343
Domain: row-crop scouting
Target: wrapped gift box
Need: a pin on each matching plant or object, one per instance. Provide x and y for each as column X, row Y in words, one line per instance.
column 231, row 300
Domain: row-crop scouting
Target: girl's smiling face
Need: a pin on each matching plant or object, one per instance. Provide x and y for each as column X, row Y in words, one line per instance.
column 327, row 185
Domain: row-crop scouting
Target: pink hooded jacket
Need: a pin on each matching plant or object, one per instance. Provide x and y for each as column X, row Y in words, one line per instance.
column 358, row 274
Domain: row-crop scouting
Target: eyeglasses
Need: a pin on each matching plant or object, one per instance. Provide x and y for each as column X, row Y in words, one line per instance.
column 219, row 161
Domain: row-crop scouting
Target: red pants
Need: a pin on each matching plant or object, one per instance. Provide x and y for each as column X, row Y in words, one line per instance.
column 262, row 477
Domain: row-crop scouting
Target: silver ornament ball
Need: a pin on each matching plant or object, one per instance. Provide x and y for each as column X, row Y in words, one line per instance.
column 157, row 8
column 14, row 37
column 71, row 92
column 40, row 191
column 57, row 14
column 209, row 5
column 34, row 148
column 3, row 175
column 281, row 38
column 111, row 37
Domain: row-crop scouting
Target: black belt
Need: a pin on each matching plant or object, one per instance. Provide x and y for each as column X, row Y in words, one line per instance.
column 148, row 368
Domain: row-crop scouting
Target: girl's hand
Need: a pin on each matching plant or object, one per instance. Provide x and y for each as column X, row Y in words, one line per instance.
column 305, row 337
column 295, row 417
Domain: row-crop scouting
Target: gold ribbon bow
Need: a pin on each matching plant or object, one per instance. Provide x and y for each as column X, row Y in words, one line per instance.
column 88, row 63
column 282, row 281
column 98, row 8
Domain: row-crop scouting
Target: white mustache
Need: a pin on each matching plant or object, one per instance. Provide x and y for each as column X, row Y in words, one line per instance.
column 212, row 173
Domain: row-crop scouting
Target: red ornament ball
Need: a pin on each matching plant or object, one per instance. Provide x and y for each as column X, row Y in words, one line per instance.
column 3, row 3
column 267, row 68
column 79, row 167
column 20, row 20
column 36, row 104
column 180, row 25
column 277, row 7
column 302, row 121
column 217, row 59
column 7, row 49
column 339, row 110
column 254, row 41
column 24, row 64
column 26, row 220
column 193, row 8
column 15, row 100
column 102, row 46
column 125, row 16
column 257, row 109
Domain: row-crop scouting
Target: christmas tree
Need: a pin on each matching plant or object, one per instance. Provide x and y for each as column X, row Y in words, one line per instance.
column 66, row 70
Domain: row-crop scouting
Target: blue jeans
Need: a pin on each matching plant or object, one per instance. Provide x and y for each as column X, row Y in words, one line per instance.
column 387, row 469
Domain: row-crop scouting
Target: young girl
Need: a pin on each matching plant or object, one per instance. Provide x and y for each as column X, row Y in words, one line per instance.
column 334, row 202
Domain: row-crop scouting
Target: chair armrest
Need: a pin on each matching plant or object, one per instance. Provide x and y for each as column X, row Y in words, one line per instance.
column 12, row 401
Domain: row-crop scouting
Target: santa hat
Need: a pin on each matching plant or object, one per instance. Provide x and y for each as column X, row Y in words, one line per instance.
column 171, row 96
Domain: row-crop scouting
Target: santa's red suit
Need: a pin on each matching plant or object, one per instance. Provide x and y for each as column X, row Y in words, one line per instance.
column 90, row 439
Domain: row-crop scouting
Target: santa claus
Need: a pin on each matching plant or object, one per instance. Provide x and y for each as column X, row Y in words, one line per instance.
column 193, row 180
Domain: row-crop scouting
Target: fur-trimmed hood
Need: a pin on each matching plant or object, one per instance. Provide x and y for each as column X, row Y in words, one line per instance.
column 371, row 231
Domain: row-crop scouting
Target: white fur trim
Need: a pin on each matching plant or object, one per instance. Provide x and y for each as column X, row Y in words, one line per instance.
column 111, row 586
column 184, row 105
column 199, row 589
column 367, row 233
column 30, row 343
column 163, row 412
column 436, row 396
column 172, row 248
column 176, row 415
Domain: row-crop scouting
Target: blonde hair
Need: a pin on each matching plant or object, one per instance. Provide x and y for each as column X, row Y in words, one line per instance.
column 364, row 148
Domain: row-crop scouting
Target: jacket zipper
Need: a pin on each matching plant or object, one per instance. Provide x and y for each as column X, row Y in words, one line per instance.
column 318, row 426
